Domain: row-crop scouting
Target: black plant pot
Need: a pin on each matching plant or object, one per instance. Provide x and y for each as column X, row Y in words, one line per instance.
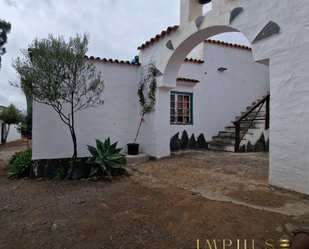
column 133, row 148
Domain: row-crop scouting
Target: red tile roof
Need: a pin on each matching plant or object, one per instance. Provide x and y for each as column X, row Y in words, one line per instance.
column 188, row 80
column 228, row 44
column 194, row 60
column 111, row 60
column 157, row 37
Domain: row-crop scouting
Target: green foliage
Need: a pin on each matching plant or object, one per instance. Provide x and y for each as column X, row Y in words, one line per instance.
column 54, row 72
column 25, row 127
column 147, row 94
column 76, row 161
column 59, row 173
column 20, row 162
column 10, row 115
column 147, row 91
column 106, row 156
column 5, row 28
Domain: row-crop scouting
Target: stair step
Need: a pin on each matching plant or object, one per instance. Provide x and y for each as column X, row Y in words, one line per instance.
column 230, row 134
column 244, row 125
column 222, row 139
column 261, row 114
column 132, row 160
column 221, row 146
column 225, row 140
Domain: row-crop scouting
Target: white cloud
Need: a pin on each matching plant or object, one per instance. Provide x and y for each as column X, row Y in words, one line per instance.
column 116, row 27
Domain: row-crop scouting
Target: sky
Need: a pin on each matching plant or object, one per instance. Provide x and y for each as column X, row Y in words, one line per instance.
column 116, row 28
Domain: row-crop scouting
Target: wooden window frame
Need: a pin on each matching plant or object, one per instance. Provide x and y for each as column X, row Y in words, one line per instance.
column 181, row 108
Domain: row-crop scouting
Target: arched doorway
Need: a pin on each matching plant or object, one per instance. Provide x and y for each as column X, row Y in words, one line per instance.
column 270, row 27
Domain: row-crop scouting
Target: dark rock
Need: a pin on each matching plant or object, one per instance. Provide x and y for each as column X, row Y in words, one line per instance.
column 201, row 141
column 260, row 145
column 250, row 147
column 169, row 45
column 242, row 148
column 235, row 12
column 270, row 28
column 81, row 170
column 192, row 142
column 198, row 21
column 175, row 142
column 184, row 140
column 46, row 167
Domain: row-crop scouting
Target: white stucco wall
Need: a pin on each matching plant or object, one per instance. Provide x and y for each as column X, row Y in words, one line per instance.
column 221, row 96
column 288, row 55
column 289, row 88
column 117, row 119
column 13, row 133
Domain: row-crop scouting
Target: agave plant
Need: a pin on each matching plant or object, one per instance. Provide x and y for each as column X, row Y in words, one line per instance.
column 106, row 156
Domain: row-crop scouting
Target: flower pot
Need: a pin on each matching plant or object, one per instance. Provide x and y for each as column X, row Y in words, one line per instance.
column 133, row 148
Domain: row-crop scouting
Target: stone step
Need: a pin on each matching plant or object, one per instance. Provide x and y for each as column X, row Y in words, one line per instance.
column 232, row 128
column 231, row 133
column 221, row 146
column 132, row 160
column 221, row 139
column 227, row 133
column 244, row 125
column 252, row 114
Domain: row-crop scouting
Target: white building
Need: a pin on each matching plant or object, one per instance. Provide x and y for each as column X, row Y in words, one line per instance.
column 13, row 133
column 278, row 34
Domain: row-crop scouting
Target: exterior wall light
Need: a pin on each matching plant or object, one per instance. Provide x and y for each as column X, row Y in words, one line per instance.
column 222, row 69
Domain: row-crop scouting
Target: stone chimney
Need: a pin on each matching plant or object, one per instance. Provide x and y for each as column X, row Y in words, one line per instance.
column 189, row 11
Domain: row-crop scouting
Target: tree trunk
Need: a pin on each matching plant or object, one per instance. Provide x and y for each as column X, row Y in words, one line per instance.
column 140, row 124
column 6, row 135
column 72, row 130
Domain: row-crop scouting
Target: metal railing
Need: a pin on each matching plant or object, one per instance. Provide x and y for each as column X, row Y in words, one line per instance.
column 237, row 122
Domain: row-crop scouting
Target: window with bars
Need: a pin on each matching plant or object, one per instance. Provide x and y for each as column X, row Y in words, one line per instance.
column 181, row 108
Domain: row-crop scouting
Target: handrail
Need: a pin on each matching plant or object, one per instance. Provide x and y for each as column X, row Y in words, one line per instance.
column 240, row 119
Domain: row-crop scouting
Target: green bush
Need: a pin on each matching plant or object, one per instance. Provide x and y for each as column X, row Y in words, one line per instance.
column 20, row 164
column 105, row 156
column 59, row 173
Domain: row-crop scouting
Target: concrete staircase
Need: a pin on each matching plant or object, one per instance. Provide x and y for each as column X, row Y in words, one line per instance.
column 225, row 140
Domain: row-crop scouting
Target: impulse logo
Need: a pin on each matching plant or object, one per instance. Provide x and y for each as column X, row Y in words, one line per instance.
column 284, row 244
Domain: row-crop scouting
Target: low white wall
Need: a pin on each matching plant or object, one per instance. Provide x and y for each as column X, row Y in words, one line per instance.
column 13, row 133
column 221, row 96
column 118, row 118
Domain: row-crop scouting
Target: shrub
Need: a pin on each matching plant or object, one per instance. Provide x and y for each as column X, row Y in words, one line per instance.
column 20, row 164
column 105, row 156
column 59, row 173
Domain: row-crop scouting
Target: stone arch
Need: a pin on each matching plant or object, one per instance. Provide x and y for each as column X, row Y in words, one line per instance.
column 174, row 62
column 277, row 32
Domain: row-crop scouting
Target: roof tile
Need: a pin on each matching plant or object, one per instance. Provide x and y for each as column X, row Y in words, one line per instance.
column 157, row 37
column 194, row 60
column 188, row 80
column 111, row 60
column 228, row 44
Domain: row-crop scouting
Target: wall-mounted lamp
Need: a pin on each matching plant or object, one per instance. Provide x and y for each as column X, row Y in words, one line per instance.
column 222, row 69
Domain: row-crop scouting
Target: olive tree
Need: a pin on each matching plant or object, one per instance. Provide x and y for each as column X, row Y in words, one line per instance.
column 54, row 72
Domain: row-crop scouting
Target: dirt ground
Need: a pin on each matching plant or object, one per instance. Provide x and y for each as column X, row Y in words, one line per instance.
column 168, row 203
